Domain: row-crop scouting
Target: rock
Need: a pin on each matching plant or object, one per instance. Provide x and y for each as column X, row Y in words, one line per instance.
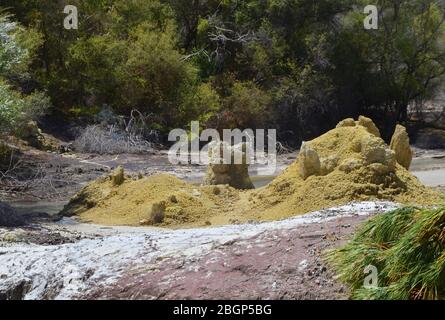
column 327, row 165
column 36, row 138
column 66, row 147
column 374, row 150
column 349, row 122
column 30, row 131
column 13, row 237
column 234, row 174
column 48, row 142
column 157, row 213
column 369, row 125
column 380, row 169
column 9, row 217
column 309, row 161
column 117, row 176
column 400, row 145
column 350, row 164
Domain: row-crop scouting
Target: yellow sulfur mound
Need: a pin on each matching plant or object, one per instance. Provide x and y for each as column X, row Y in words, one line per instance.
column 157, row 200
column 354, row 164
column 349, row 163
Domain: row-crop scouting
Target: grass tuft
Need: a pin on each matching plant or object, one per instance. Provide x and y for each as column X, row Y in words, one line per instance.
column 407, row 248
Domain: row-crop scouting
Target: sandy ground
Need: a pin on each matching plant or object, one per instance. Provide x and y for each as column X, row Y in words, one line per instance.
column 429, row 167
column 281, row 259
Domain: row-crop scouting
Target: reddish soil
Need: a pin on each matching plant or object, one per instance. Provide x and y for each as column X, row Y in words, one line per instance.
column 279, row 264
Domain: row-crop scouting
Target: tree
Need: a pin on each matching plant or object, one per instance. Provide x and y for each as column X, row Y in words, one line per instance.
column 305, row 64
column 16, row 53
column 401, row 61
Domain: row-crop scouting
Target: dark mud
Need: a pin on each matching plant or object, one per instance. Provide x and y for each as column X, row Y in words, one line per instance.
column 40, row 233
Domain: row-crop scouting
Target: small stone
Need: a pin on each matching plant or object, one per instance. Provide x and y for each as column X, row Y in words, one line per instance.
column 349, row 165
column 157, row 212
column 400, row 145
column 302, row 265
column 369, row 125
column 117, row 176
column 309, row 161
column 349, row 122
column 145, row 222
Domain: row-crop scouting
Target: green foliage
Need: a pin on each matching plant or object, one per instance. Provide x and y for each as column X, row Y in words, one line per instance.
column 37, row 105
column 154, row 77
column 17, row 47
column 135, row 64
column 16, row 109
column 296, row 65
column 246, row 106
column 202, row 104
column 11, row 106
column 401, row 61
column 11, row 53
column 98, row 58
column 408, row 248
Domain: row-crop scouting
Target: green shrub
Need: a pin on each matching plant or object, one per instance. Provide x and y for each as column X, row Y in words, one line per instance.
column 201, row 104
column 154, row 78
column 17, row 46
column 16, row 110
column 247, row 106
column 11, row 108
column 407, row 246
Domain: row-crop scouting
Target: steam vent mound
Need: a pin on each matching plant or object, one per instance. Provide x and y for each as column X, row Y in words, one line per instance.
column 349, row 163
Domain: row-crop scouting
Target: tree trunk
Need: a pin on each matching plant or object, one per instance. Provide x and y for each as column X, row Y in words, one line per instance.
column 403, row 113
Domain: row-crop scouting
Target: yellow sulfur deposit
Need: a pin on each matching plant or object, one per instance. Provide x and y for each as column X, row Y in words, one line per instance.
column 162, row 200
column 349, row 163
column 354, row 164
